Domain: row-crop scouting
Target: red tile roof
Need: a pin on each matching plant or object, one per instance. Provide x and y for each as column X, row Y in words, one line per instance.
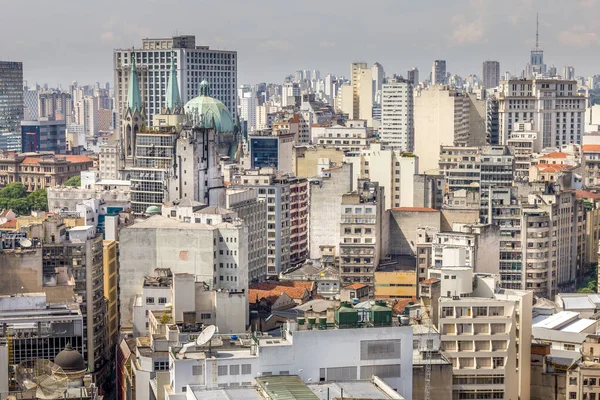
column 415, row 209
column 556, row 154
column 9, row 225
column 31, row 160
column 355, row 286
column 401, row 304
column 272, row 290
column 584, row 194
column 552, row 167
column 4, row 213
column 79, row 159
column 430, row 281
column 591, row 147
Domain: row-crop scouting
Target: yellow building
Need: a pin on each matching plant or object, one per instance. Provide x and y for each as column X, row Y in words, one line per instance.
column 306, row 159
column 110, row 288
column 396, row 278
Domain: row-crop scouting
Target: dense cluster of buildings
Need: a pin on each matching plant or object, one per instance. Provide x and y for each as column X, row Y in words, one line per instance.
column 376, row 237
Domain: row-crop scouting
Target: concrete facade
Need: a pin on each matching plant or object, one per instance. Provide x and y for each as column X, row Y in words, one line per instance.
column 325, row 193
column 216, row 254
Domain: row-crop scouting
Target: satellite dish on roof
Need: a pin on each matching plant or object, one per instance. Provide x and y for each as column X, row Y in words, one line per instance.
column 25, row 243
column 41, row 379
column 206, row 335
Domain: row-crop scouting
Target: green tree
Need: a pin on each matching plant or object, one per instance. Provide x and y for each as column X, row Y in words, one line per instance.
column 74, row 181
column 585, row 290
column 38, row 200
column 19, row 206
column 15, row 190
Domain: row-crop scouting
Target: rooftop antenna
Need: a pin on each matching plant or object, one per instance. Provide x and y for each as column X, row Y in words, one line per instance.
column 537, row 31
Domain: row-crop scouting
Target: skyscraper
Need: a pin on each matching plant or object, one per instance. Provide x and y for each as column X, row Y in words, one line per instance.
column 569, row 73
column 194, row 64
column 491, row 74
column 11, row 96
column 362, row 93
column 413, row 76
column 438, row 72
column 397, row 128
column 378, row 76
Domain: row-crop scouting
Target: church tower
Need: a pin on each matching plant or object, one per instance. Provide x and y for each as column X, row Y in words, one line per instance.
column 133, row 115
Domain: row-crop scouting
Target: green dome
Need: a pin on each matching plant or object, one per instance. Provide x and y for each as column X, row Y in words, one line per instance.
column 153, row 210
column 202, row 110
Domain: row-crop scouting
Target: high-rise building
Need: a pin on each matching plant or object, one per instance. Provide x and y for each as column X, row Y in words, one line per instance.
column 86, row 114
column 361, row 106
column 445, row 117
column 55, row 105
column 30, row 100
column 194, row 65
column 11, row 96
column 287, row 215
column 44, row 135
column 397, row 128
column 491, row 74
column 361, row 236
column 412, row 75
column 438, row 72
column 569, row 73
column 499, row 366
column 378, row 76
column 248, row 104
column 554, row 106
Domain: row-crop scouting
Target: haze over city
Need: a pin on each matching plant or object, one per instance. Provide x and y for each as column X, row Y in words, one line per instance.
column 58, row 44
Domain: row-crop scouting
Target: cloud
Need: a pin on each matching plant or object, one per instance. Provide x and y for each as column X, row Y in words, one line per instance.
column 587, row 3
column 275, row 45
column 107, row 37
column 577, row 36
column 467, row 32
column 327, row 44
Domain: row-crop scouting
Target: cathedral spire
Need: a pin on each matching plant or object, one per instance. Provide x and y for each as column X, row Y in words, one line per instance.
column 173, row 98
column 134, row 98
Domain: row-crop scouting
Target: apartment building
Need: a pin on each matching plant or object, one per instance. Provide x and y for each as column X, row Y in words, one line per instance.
column 253, row 211
column 361, row 228
column 391, row 168
column 276, row 190
column 353, row 135
column 397, row 110
column 446, row 117
column 487, row 336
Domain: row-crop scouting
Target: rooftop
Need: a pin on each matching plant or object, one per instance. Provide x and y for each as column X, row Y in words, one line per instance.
column 272, row 290
column 415, row 209
column 397, row 263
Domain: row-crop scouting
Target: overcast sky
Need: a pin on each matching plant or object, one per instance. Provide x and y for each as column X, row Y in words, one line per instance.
column 64, row 40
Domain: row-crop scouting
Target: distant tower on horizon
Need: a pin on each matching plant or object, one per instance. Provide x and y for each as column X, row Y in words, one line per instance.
column 491, row 74
column 438, row 72
column 536, row 61
column 412, row 76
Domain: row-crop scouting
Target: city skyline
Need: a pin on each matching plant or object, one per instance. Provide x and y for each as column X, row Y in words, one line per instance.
column 463, row 33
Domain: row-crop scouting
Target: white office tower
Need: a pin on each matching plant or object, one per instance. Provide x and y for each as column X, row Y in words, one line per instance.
column 491, row 74
column 378, row 75
column 194, row 65
column 30, row 100
column 86, row 114
column 486, row 333
column 248, row 105
column 289, row 92
column 397, row 127
column 554, row 107
column 438, row 72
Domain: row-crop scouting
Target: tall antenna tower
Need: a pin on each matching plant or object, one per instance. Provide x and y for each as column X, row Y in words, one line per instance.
column 537, row 31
